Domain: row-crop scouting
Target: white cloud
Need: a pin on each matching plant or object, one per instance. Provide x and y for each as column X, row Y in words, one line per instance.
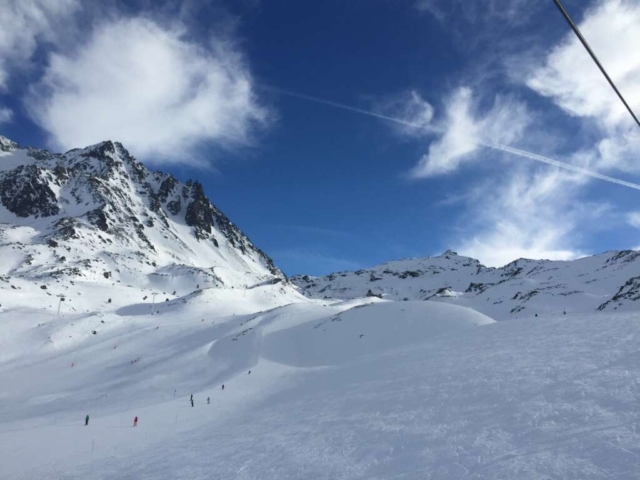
column 530, row 211
column 5, row 115
column 542, row 215
column 25, row 23
column 528, row 216
column 633, row 219
column 572, row 80
column 458, row 141
column 462, row 129
column 148, row 87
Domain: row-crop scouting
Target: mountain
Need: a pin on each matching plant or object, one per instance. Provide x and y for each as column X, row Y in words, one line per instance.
column 605, row 282
column 98, row 215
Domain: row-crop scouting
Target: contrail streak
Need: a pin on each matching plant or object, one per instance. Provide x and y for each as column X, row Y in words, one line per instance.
column 350, row 108
column 493, row 145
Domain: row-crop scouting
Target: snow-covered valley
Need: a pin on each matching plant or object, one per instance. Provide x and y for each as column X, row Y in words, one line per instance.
column 457, row 371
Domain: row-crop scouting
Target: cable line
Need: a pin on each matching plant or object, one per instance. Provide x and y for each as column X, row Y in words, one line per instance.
column 593, row 55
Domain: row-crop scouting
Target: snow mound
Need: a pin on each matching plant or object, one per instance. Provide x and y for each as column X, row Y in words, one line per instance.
column 367, row 330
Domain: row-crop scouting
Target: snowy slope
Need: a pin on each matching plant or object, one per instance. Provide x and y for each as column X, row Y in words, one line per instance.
column 356, row 389
column 607, row 282
column 97, row 214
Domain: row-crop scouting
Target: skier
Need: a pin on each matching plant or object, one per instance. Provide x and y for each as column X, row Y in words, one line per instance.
column 192, row 400
column 249, row 372
column 223, row 386
column 135, row 422
column 208, row 401
column 86, row 420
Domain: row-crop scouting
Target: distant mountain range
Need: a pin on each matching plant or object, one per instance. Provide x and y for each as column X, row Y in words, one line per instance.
column 98, row 215
column 609, row 281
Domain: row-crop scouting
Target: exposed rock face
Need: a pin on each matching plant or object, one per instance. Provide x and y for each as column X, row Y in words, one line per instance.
column 25, row 191
column 200, row 213
column 629, row 292
column 108, row 208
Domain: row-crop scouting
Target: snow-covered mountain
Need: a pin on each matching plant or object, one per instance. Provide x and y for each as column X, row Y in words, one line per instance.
column 609, row 281
column 97, row 214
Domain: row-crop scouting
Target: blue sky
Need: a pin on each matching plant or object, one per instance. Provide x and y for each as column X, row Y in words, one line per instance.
column 199, row 89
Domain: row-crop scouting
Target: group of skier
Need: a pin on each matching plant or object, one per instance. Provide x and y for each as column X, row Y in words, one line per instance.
column 208, row 398
column 135, row 420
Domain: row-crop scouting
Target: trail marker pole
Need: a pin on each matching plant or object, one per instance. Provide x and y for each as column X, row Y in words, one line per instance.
column 154, row 302
column 60, row 304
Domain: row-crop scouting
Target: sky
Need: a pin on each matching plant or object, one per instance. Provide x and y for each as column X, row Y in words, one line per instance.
column 342, row 134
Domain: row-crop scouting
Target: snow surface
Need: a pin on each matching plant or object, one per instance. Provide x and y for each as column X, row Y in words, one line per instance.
column 363, row 388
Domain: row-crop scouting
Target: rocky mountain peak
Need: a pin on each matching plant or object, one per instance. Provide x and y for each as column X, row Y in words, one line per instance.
column 101, row 202
column 7, row 145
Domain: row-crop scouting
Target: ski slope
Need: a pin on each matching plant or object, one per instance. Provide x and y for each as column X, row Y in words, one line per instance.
column 355, row 389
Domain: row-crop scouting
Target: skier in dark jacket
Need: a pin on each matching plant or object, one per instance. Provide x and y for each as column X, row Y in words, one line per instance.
column 135, row 421
column 86, row 420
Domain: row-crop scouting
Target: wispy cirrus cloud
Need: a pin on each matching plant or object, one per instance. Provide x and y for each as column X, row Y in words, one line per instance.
column 568, row 76
column 633, row 218
column 463, row 130
column 529, row 214
column 572, row 80
column 27, row 25
column 528, row 211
